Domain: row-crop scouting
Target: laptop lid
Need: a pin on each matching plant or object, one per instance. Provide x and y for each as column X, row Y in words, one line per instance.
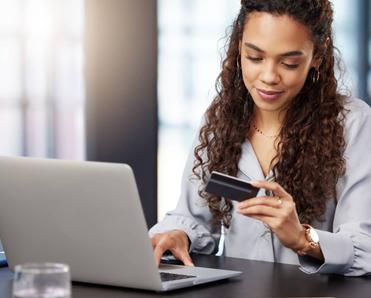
column 85, row 214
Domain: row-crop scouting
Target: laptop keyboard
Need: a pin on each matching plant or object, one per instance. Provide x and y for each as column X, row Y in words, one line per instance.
column 165, row 276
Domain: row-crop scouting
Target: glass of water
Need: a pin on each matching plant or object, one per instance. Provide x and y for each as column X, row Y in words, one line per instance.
column 42, row 280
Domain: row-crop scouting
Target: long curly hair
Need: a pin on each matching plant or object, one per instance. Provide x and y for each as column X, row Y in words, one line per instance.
column 309, row 158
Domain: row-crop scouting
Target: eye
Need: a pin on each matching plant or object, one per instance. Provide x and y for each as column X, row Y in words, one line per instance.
column 254, row 59
column 290, row 66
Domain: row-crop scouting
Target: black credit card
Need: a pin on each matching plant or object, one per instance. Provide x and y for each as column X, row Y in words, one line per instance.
column 230, row 187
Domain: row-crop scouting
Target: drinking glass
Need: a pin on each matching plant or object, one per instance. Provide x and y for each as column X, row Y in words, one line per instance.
column 42, row 280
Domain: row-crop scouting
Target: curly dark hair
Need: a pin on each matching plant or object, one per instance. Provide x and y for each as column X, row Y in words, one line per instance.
column 309, row 158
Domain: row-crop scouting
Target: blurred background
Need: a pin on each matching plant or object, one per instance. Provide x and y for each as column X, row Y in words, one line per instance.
column 128, row 80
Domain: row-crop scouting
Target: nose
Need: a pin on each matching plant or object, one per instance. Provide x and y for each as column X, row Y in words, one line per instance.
column 269, row 74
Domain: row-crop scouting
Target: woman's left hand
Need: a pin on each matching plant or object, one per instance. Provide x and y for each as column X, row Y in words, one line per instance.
column 278, row 212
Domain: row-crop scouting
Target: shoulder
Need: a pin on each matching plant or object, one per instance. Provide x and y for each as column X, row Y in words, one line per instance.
column 357, row 116
column 356, row 108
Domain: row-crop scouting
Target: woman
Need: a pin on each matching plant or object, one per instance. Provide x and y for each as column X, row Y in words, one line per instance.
column 279, row 121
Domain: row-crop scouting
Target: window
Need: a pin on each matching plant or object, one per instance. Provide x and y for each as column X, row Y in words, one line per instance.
column 41, row 74
column 352, row 37
column 189, row 60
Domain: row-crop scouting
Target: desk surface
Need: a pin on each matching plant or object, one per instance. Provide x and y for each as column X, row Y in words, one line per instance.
column 259, row 279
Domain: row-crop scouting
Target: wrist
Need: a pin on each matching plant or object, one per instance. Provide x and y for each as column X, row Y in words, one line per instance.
column 311, row 244
column 302, row 240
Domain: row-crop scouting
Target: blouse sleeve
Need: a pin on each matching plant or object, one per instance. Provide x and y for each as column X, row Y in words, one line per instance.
column 347, row 249
column 191, row 215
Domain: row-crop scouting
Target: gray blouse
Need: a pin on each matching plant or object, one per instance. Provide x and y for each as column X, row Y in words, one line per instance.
column 344, row 232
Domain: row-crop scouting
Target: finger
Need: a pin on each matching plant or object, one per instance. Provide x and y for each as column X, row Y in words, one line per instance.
column 277, row 189
column 183, row 255
column 260, row 210
column 158, row 252
column 269, row 201
column 153, row 242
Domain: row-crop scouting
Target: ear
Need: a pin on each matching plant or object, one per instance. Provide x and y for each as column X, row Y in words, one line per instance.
column 316, row 62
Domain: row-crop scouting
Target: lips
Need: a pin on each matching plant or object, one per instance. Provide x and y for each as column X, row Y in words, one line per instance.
column 269, row 95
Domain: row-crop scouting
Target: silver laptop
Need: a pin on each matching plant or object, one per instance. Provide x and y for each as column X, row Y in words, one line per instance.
column 88, row 215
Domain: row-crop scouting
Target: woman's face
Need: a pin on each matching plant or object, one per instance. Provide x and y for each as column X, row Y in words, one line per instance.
column 276, row 56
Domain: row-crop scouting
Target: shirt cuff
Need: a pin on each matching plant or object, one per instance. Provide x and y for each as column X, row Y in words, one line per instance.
column 338, row 252
column 200, row 238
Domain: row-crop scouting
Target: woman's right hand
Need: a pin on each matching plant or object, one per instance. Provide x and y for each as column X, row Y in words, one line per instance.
column 175, row 241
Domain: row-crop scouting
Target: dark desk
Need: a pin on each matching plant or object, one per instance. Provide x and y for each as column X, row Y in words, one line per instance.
column 260, row 279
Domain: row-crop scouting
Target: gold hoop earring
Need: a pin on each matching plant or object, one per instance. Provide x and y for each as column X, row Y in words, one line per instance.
column 315, row 76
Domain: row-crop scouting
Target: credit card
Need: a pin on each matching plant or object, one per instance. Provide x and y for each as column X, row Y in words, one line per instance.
column 226, row 186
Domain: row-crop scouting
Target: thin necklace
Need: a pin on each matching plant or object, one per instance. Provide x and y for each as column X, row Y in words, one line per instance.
column 263, row 134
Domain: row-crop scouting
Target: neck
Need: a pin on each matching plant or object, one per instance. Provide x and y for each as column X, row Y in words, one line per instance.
column 269, row 122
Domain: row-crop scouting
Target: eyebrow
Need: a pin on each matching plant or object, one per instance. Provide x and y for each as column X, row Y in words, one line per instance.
column 288, row 54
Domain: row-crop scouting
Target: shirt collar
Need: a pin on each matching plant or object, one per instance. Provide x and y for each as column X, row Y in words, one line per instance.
column 249, row 164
